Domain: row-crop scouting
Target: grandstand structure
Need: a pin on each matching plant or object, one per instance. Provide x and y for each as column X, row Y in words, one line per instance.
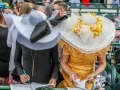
column 99, row 8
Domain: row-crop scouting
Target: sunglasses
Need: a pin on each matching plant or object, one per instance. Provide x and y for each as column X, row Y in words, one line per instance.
column 55, row 9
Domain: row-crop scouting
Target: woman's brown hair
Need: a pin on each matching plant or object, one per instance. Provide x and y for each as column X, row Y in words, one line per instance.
column 26, row 8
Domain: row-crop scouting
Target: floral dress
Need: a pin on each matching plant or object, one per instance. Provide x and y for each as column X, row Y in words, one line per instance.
column 80, row 63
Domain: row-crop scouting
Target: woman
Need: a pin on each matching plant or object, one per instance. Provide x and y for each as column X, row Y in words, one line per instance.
column 40, row 60
column 87, row 42
column 4, row 50
column 12, row 36
column 26, row 8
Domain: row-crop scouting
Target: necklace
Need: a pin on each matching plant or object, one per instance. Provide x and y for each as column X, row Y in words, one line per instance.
column 33, row 59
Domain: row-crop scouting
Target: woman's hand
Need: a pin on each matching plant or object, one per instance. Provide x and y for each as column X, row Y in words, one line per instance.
column 24, row 78
column 90, row 78
column 73, row 77
column 53, row 81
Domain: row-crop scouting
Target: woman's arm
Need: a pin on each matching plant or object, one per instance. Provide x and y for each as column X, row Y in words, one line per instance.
column 101, row 65
column 100, row 69
column 18, row 70
column 64, row 64
column 55, row 65
column 55, row 62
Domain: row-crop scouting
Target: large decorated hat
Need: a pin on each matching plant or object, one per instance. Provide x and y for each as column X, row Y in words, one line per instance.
column 28, row 28
column 26, row 25
column 89, row 33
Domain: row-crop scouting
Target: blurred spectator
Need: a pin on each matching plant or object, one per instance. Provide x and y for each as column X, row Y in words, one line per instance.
column 26, row 8
column 17, row 5
column 117, row 35
column 115, row 1
column 46, row 2
column 39, row 8
column 16, row 11
column 74, row 3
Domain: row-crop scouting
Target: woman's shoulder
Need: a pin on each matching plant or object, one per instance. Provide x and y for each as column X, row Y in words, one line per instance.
column 63, row 44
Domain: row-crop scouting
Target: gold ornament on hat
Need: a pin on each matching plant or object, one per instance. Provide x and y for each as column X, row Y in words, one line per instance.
column 95, row 28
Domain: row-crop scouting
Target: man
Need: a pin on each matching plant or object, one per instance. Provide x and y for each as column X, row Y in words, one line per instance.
column 49, row 8
column 62, row 7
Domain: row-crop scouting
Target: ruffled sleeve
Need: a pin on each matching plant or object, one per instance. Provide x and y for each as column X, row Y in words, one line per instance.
column 63, row 45
column 68, row 50
column 103, row 51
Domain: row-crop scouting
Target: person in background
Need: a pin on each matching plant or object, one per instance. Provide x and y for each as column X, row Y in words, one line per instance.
column 46, row 2
column 16, row 11
column 115, row 1
column 116, row 22
column 26, row 8
column 39, row 8
column 17, row 5
column 74, row 3
column 4, row 49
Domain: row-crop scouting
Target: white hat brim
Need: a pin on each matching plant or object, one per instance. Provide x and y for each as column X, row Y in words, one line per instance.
column 26, row 30
column 97, row 44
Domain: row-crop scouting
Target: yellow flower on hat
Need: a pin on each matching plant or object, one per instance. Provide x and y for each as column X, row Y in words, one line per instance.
column 95, row 28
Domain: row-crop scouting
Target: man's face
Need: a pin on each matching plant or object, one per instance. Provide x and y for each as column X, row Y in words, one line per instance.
column 56, row 7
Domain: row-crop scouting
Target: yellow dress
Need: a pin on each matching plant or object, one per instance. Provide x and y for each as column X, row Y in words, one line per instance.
column 80, row 63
